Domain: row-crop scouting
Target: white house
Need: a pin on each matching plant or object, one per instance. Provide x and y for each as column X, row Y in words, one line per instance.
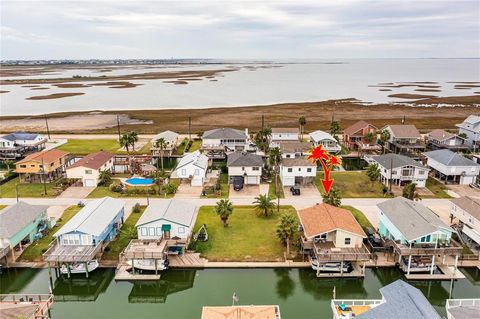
column 292, row 149
column 297, row 171
column 443, row 139
column 400, row 170
column 452, row 167
column 471, row 128
column 171, row 141
column 284, row 134
column 15, row 145
column 89, row 168
column 329, row 143
column 193, row 165
column 228, row 139
column 245, row 165
column 467, row 210
column 173, row 219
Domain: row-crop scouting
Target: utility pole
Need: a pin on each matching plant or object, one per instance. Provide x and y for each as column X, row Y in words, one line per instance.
column 44, row 179
column 118, row 128
column 189, row 128
column 263, row 121
column 46, row 123
column 391, row 169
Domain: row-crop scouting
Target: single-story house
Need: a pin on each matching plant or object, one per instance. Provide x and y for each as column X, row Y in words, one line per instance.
column 297, row 171
column 329, row 143
column 399, row 300
column 193, row 166
column 404, row 139
column 409, row 222
column 471, row 128
column 245, row 165
column 16, row 145
column 330, row 224
column 46, row 164
column 452, row 167
column 467, row 210
column 400, row 170
column 89, row 168
column 21, row 224
column 167, row 219
column 280, row 134
column 354, row 137
column 224, row 140
column 96, row 223
column 171, row 141
column 442, row 139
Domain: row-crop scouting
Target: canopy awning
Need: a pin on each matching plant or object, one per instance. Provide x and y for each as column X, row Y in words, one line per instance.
column 166, row 227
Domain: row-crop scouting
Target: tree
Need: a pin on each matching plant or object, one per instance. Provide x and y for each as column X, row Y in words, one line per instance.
column 161, row 144
column 302, row 121
column 262, row 138
column 224, row 209
column 264, row 204
column 105, row 177
column 274, row 160
column 125, row 142
column 373, row 172
column 332, row 198
column 369, row 137
column 384, row 137
column 286, row 228
column 170, row 188
column 410, row 192
column 463, row 135
column 133, row 138
column 334, row 128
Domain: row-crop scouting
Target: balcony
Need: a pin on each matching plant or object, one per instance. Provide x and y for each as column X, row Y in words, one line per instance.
column 327, row 251
column 352, row 308
column 453, row 248
column 145, row 249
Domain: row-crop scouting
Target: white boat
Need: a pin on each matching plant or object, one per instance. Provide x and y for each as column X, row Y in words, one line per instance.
column 148, row 264
column 417, row 265
column 331, row 266
column 79, row 268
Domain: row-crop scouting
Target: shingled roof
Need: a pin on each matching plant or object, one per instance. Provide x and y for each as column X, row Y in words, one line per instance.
column 14, row 218
column 93, row 161
column 224, row 133
column 449, row 158
column 239, row 159
column 351, row 130
column 404, row 131
column 45, row 156
column 469, row 204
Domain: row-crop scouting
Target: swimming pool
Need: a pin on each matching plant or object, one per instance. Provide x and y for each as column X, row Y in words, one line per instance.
column 139, row 181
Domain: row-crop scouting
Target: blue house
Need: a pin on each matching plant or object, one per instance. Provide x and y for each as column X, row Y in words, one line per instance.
column 97, row 222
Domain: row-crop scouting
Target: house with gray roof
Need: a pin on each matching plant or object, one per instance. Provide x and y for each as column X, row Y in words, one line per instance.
column 466, row 210
column 218, row 142
column 471, row 128
column 245, row 165
column 171, row 140
column 400, row 170
column 404, row 139
column 173, row 219
column 329, row 143
column 193, row 167
column 451, row 167
column 21, row 224
column 463, row 308
column 439, row 139
column 16, row 145
column 399, row 300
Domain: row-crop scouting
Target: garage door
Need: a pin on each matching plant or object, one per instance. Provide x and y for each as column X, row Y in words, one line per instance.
column 288, row 180
column 90, row 183
column 197, row 181
column 252, row 180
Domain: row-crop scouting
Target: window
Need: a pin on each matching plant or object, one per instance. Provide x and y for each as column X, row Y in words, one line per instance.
column 181, row 230
column 421, row 172
column 347, row 241
column 290, row 170
column 309, row 170
column 255, row 168
column 159, row 231
column 243, row 168
column 184, row 172
column 23, row 166
column 197, row 172
column 288, row 155
column 323, row 236
column 151, row 231
column 144, row 231
column 88, row 171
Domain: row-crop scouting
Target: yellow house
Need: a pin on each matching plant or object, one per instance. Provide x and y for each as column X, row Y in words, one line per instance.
column 49, row 164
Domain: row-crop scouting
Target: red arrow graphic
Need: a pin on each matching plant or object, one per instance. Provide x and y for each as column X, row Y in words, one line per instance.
column 326, row 181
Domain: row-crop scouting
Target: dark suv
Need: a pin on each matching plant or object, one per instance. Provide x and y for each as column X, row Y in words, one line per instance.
column 295, row 190
column 237, row 183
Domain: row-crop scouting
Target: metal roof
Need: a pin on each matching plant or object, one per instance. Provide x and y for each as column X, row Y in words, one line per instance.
column 196, row 158
column 396, row 160
column 469, row 204
column 167, row 135
column 402, row 301
column 176, row 211
column 240, row 159
column 411, row 218
column 224, row 133
column 321, row 135
column 94, row 217
column 20, row 136
column 449, row 158
column 14, row 218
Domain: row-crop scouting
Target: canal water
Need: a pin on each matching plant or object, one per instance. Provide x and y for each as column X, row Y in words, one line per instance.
column 182, row 293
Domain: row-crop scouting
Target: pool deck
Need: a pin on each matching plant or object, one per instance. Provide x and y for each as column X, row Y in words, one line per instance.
column 126, row 183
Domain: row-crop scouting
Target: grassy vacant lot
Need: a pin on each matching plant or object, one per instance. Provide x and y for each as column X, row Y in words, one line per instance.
column 35, row 250
column 248, row 237
column 85, row 147
column 437, row 188
column 271, row 190
column 7, row 190
column 125, row 235
column 195, row 145
column 352, row 184
column 360, row 217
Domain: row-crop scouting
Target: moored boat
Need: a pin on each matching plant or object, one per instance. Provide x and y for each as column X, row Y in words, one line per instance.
column 79, row 268
column 149, row 264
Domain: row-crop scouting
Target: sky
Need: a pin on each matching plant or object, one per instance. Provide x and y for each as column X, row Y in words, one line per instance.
column 296, row 29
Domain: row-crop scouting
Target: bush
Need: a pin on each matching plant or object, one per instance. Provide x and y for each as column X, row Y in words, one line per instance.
column 116, row 188
column 107, row 249
column 136, row 208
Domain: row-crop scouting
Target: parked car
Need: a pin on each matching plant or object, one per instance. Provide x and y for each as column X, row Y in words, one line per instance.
column 237, row 183
column 295, row 190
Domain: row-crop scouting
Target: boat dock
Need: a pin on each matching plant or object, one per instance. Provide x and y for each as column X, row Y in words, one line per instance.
column 123, row 274
column 448, row 273
column 357, row 272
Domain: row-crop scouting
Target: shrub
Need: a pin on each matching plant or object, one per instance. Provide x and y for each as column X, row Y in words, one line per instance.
column 136, row 208
column 116, row 188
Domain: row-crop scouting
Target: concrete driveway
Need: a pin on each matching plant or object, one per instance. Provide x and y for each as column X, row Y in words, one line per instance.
column 186, row 190
column 76, row 192
column 464, row 190
column 306, row 191
column 246, row 191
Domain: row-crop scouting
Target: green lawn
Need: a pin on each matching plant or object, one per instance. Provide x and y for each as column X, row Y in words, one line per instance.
column 437, row 188
column 224, row 188
column 352, row 184
column 271, row 190
column 181, row 147
column 126, row 234
column 195, row 146
column 7, row 190
column 3, row 206
column 247, row 238
column 35, row 250
column 85, row 147
column 360, row 217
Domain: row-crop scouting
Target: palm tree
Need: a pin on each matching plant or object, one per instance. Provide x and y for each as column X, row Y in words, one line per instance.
column 161, row 144
column 384, row 137
column 125, row 142
column 264, row 204
column 133, row 138
column 286, row 228
column 410, row 192
column 302, row 121
column 105, row 177
column 373, row 172
column 332, row 198
column 275, row 159
column 224, row 209
column 334, row 128
column 262, row 138
column 369, row 137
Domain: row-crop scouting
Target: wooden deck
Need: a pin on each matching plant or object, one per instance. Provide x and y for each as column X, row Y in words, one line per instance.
column 25, row 306
column 123, row 274
column 71, row 253
column 188, row 260
column 328, row 252
column 145, row 249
